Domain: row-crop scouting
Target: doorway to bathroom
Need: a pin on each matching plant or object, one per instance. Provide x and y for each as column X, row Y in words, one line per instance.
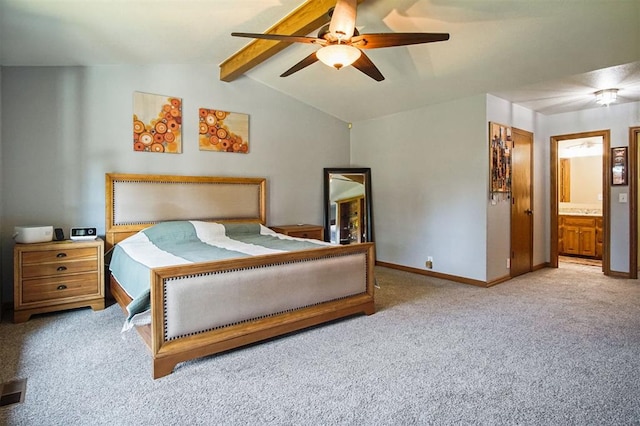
column 579, row 200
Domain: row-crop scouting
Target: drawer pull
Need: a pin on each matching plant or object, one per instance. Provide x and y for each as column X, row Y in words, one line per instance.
column 61, row 268
column 61, row 287
column 61, row 255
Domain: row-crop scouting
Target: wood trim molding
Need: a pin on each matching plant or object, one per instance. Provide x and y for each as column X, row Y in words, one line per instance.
column 454, row 278
column 310, row 16
column 541, row 266
column 618, row 274
column 634, row 138
column 553, row 190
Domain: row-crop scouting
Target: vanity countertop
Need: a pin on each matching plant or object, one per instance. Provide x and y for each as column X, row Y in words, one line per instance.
column 582, row 213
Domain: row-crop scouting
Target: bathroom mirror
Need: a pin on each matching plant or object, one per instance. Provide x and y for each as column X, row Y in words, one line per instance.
column 348, row 217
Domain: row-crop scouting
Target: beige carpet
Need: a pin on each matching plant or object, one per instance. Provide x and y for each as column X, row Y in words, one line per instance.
column 553, row 347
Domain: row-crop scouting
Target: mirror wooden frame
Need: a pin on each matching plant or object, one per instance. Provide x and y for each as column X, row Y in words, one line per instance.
column 366, row 172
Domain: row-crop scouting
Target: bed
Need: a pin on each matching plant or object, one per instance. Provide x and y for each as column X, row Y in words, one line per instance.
column 203, row 307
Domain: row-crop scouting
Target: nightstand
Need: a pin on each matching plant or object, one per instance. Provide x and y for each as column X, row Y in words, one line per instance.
column 57, row 275
column 301, row 231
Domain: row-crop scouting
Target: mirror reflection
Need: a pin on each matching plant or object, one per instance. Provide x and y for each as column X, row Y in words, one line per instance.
column 580, row 174
column 348, row 216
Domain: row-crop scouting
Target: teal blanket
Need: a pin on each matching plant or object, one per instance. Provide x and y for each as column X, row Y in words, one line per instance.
column 184, row 242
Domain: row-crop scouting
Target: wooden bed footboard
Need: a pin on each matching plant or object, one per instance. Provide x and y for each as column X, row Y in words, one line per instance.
column 333, row 282
column 337, row 283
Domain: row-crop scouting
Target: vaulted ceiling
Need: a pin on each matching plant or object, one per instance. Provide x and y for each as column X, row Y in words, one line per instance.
column 548, row 55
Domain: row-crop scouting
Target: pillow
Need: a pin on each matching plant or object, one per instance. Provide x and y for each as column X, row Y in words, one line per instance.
column 171, row 231
column 242, row 228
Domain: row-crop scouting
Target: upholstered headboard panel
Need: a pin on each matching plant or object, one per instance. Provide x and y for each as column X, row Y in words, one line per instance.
column 134, row 202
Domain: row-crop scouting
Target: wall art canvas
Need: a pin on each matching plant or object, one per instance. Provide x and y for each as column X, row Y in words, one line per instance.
column 500, row 162
column 157, row 123
column 223, row 131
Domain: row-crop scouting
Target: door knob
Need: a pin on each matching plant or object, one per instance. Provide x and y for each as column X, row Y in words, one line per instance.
column 529, row 212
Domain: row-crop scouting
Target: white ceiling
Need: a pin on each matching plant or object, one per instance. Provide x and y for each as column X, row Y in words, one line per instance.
column 548, row 55
column 580, row 147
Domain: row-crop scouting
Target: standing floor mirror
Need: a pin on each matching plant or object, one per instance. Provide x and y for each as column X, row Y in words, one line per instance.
column 348, row 216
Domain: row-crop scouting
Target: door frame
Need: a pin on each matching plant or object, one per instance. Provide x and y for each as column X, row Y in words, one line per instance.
column 632, row 162
column 606, row 202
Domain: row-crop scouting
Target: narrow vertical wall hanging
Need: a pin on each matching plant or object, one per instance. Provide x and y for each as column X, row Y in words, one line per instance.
column 500, row 160
column 157, row 123
column 223, row 131
column 619, row 166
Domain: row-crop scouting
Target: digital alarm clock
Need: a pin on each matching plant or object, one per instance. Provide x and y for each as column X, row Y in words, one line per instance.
column 83, row 233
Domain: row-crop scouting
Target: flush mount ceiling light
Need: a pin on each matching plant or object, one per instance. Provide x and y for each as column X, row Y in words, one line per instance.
column 338, row 55
column 606, row 96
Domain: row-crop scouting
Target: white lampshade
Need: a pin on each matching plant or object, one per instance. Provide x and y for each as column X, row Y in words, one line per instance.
column 606, row 96
column 338, row 55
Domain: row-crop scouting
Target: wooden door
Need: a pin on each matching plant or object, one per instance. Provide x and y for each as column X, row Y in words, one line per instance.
column 521, row 203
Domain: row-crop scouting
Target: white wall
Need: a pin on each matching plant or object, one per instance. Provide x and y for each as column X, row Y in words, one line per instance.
column 585, row 179
column 65, row 127
column 430, row 183
column 499, row 211
column 429, row 170
column 499, row 216
column 1, row 198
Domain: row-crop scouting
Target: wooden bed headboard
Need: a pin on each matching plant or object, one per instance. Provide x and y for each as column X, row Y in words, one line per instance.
column 135, row 202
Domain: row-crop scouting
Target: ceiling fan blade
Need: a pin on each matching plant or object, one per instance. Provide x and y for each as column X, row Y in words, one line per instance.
column 302, row 64
column 280, row 37
column 375, row 41
column 343, row 19
column 365, row 65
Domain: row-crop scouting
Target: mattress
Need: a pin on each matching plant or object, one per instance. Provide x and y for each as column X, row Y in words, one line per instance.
column 183, row 242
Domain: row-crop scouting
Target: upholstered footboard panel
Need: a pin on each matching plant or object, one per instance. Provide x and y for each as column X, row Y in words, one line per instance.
column 206, row 308
column 198, row 303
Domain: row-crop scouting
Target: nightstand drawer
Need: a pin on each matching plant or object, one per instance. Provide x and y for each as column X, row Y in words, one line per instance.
column 59, row 254
column 45, row 289
column 59, row 268
column 317, row 234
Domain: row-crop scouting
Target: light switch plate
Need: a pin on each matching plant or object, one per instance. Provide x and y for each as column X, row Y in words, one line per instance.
column 622, row 197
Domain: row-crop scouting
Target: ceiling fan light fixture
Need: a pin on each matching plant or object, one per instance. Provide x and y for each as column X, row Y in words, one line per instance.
column 338, row 55
column 606, row 96
column 343, row 19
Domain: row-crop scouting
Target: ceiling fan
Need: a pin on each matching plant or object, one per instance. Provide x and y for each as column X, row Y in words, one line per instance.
column 341, row 44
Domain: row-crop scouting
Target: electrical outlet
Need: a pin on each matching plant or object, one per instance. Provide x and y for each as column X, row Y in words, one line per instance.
column 429, row 262
column 508, row 263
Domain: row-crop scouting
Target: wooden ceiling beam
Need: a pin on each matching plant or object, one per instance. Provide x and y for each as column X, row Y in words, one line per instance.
column 310, row 16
